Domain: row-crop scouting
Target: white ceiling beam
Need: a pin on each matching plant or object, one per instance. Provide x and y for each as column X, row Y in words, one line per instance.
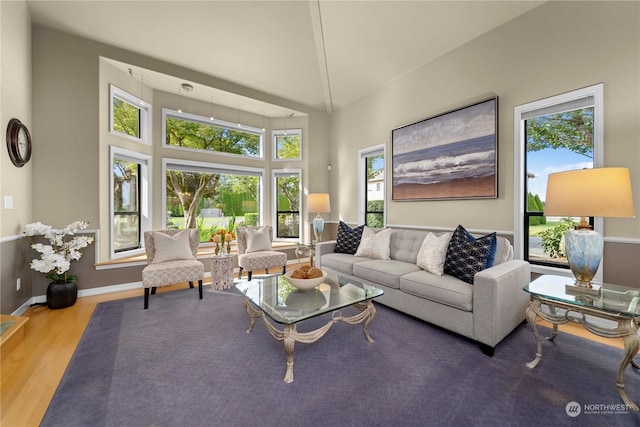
column 318, row 35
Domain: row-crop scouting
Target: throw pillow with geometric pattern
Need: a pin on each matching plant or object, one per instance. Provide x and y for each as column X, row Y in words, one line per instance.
column 467, row 255
column 348, row 238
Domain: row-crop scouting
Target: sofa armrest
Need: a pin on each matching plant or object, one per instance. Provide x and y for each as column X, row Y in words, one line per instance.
column 499, row 302
column 324, row 248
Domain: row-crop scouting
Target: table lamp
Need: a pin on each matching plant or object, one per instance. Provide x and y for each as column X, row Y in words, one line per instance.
column 604, row 192
column 319, row 203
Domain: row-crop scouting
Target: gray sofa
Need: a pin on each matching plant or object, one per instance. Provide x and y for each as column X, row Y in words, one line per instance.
column 485, row 311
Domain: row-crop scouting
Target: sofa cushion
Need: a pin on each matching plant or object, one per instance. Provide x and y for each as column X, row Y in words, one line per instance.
column 433, row 252
column 467, row 255
column 386, row 272
column 342, row 263
column 405, row 244
column 442, row 289
column 374, row 244
column 348, row 238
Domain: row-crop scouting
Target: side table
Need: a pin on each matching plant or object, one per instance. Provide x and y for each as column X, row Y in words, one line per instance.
column 306, row 249
column 221, row 272
column 618, row 304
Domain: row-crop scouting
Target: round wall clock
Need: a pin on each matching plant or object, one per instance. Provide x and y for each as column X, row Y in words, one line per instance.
column 18, row 142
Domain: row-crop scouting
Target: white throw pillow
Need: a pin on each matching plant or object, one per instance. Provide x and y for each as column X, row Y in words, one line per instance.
column 169, row 248
column 258, row 239
column 433, row 252
column 374, row 245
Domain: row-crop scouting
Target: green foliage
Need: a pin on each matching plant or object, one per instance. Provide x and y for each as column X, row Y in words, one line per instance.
column 204, row 136
column 572, row 130
column 288, row 193
column 251, row 219
column 126, row 118
column 553, row 239
column 534, row 204
column 288, row 147
column 375, row 215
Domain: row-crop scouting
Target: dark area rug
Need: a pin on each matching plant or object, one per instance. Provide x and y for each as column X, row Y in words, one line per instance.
column 189, row 362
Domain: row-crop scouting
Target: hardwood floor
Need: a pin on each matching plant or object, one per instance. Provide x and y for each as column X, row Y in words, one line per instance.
column 31, row 372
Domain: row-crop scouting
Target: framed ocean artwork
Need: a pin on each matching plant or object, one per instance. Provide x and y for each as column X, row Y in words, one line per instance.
column 450, row 156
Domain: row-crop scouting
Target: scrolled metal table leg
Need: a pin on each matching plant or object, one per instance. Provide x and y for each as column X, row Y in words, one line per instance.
column 531, row 319
column 631, row 345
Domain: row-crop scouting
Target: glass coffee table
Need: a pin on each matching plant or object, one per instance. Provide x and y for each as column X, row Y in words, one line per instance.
column 614, row 303
column 274, row 300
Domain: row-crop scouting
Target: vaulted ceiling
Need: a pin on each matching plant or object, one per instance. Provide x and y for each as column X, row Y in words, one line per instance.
column 319, row 53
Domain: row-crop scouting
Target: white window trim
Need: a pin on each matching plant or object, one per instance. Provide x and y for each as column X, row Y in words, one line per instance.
column 166, row 112
column 213, row 168
column 274, row 202
column 145, row 197
column 145, row 114
column 362, row 171
column 597, row 91
column 282, row 132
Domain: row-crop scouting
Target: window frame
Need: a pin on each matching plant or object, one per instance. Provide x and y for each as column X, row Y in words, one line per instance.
column 519, row 240
column 275, row 173
column 362, row 181
column 144, row 116
column 144, row 198
column 167, row 112
column 274, row 146
column 195, row 166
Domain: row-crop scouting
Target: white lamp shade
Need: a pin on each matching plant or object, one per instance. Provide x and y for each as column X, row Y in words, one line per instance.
column 318, row 202
column 604, row 192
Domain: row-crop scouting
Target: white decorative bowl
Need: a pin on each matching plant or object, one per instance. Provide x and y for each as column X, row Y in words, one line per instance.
column 305, row 284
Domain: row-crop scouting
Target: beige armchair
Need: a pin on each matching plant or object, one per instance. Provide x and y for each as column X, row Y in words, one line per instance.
column 171, row 259
column 254, row 250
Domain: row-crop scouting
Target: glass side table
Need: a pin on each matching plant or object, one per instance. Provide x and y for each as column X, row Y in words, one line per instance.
column 306, row 249
column 619, row 304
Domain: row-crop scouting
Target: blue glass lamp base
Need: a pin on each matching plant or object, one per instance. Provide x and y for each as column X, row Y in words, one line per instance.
column 584, row 252
column 318, row 227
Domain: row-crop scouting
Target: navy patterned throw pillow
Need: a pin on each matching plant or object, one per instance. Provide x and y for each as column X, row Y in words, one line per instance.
column 467, row 255
column 348, row 238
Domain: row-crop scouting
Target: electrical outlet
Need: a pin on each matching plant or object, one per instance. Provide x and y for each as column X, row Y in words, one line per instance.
column 18, row 284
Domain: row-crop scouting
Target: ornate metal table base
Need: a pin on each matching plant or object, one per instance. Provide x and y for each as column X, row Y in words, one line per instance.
column 627, row 330
column 290, row 335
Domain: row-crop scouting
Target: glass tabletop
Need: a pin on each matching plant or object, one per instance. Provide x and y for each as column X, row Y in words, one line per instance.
column 613, row 298
column 286, row 304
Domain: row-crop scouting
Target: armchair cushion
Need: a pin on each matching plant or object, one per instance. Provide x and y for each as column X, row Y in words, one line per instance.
column 170, row 248
column 258, row 239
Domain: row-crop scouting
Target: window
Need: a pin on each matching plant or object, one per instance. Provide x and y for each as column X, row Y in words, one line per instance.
column 371, row 188
column 130, row 116
column 210, row 196
column 188, row 131
column 287, row 144
column 560, row 133
column 130, row 193
column 287, row 203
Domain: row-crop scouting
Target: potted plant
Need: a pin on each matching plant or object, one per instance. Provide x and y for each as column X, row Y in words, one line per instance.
column 56, row 257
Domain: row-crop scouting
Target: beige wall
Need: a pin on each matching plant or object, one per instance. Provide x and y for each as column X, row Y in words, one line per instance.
column 555, row 48
column 15, row 101
column 558, row 47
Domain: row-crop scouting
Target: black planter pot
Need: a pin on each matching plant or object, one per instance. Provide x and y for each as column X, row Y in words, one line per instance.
column 61, row 295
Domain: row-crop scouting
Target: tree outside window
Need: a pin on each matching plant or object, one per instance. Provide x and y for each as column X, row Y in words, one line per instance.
column 287, row 144
column 554, row 142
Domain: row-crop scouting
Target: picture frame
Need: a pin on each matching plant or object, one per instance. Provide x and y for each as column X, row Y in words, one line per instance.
column 453, row 155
